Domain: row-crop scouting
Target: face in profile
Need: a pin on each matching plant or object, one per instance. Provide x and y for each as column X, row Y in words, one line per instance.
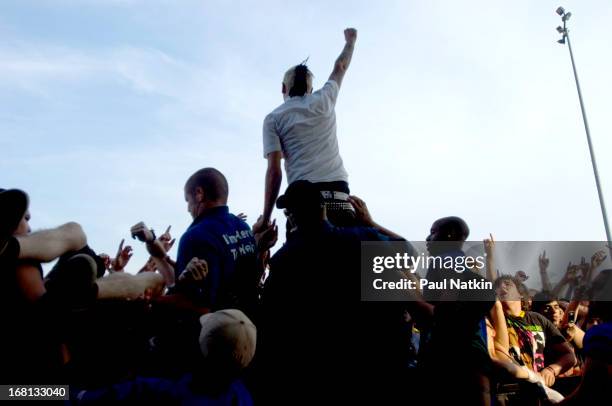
column 507, row 291
column 24, row 224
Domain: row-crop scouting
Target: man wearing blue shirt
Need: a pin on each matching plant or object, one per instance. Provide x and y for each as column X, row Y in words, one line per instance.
column 220, row 238
column 215, row 266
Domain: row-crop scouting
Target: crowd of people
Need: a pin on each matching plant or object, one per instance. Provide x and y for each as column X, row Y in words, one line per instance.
column 227, row 322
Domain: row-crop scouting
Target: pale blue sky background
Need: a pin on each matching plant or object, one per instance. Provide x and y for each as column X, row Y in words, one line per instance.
column 449, row 108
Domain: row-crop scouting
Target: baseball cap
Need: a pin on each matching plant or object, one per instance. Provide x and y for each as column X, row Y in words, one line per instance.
column 301, row 194
column 228, row 338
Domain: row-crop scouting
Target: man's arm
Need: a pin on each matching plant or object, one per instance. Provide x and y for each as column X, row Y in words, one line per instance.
column 543, row 265
column 156, row 249
column 47, row 245
column 344, row 60
column 489, row 246
column 274, row 176
column 565, row 359
column 362, row 213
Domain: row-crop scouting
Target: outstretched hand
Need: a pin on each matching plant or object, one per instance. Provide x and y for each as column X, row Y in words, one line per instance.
column 166, row 239
column 489, row 244
column 122, row 258
column 142, row 232
column 266, row 237
column 543, row 262
column 107, row 261
column 598, row 258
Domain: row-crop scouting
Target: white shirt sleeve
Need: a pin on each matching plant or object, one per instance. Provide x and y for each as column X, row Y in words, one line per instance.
column 327, row 96
column 271, row 140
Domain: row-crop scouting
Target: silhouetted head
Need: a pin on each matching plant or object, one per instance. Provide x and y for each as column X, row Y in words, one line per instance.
column 303, row 204
column 446, row 234
column 205, row 189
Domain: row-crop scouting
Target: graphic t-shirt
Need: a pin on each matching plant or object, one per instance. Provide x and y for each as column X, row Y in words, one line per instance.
column 529, row 334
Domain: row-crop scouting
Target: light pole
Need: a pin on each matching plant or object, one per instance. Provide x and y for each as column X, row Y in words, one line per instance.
column 565, row 38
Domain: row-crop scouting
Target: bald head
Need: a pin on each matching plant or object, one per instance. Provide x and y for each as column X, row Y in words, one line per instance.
column 210, row 184
column 446, row 234
column 450, row 229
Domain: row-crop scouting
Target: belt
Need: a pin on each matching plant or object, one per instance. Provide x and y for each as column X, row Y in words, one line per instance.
column 339, row 206
column 334, row 195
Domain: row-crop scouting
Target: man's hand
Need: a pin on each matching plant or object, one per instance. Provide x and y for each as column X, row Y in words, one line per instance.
column 167, row 240
column 196, row 270
column 489, row 245
column 266, row 237
column 350, row 35
column 107, row 261
column 362, row 214
column 241, row 216
column 584, row 265
column 260, row 225
column 597, row 259
column 142, row 232
column 122, row 258
column 543, row 262
column 548, row 376
column 571, row 273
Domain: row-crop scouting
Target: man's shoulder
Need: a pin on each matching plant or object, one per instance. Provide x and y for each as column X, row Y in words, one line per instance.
column 331, row 84
column 537, row 319
column 278, row 111
column 202, row 231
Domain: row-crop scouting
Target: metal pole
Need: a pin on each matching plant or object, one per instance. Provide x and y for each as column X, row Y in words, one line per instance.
column 591, row 151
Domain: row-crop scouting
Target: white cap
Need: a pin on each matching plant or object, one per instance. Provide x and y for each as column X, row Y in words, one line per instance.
column 229, row 337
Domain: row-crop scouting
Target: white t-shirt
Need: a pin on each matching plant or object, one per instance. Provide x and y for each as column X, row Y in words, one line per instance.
column 304, row 129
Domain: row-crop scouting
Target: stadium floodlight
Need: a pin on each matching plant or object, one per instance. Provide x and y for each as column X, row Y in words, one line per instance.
column 565, row 38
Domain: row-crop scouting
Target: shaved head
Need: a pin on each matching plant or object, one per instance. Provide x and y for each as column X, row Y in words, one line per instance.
column 212, row 182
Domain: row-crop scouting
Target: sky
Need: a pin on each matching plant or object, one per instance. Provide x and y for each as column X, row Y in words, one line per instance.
column 448, row 108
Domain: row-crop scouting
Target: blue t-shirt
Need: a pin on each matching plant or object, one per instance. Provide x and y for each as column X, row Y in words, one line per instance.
column 165, row 391
column 598, row 342
column 224, row 241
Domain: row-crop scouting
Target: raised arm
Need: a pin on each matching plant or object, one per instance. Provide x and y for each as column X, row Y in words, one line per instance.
column 344, row 60
column 157, row 251
column 274, row 176
column 543, row 265
column 489, row 246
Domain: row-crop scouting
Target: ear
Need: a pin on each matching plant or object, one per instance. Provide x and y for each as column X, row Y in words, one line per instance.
column 283, row 89
column 199, row 194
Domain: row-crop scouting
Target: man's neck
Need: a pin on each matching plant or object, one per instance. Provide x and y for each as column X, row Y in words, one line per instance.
column 205, row 207
column 512, row 308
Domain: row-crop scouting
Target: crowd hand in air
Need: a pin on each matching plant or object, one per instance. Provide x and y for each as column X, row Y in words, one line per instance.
column 265, row 236
column 122, row 258
column 154, row 246
column 107, row 261
column 167, row 240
